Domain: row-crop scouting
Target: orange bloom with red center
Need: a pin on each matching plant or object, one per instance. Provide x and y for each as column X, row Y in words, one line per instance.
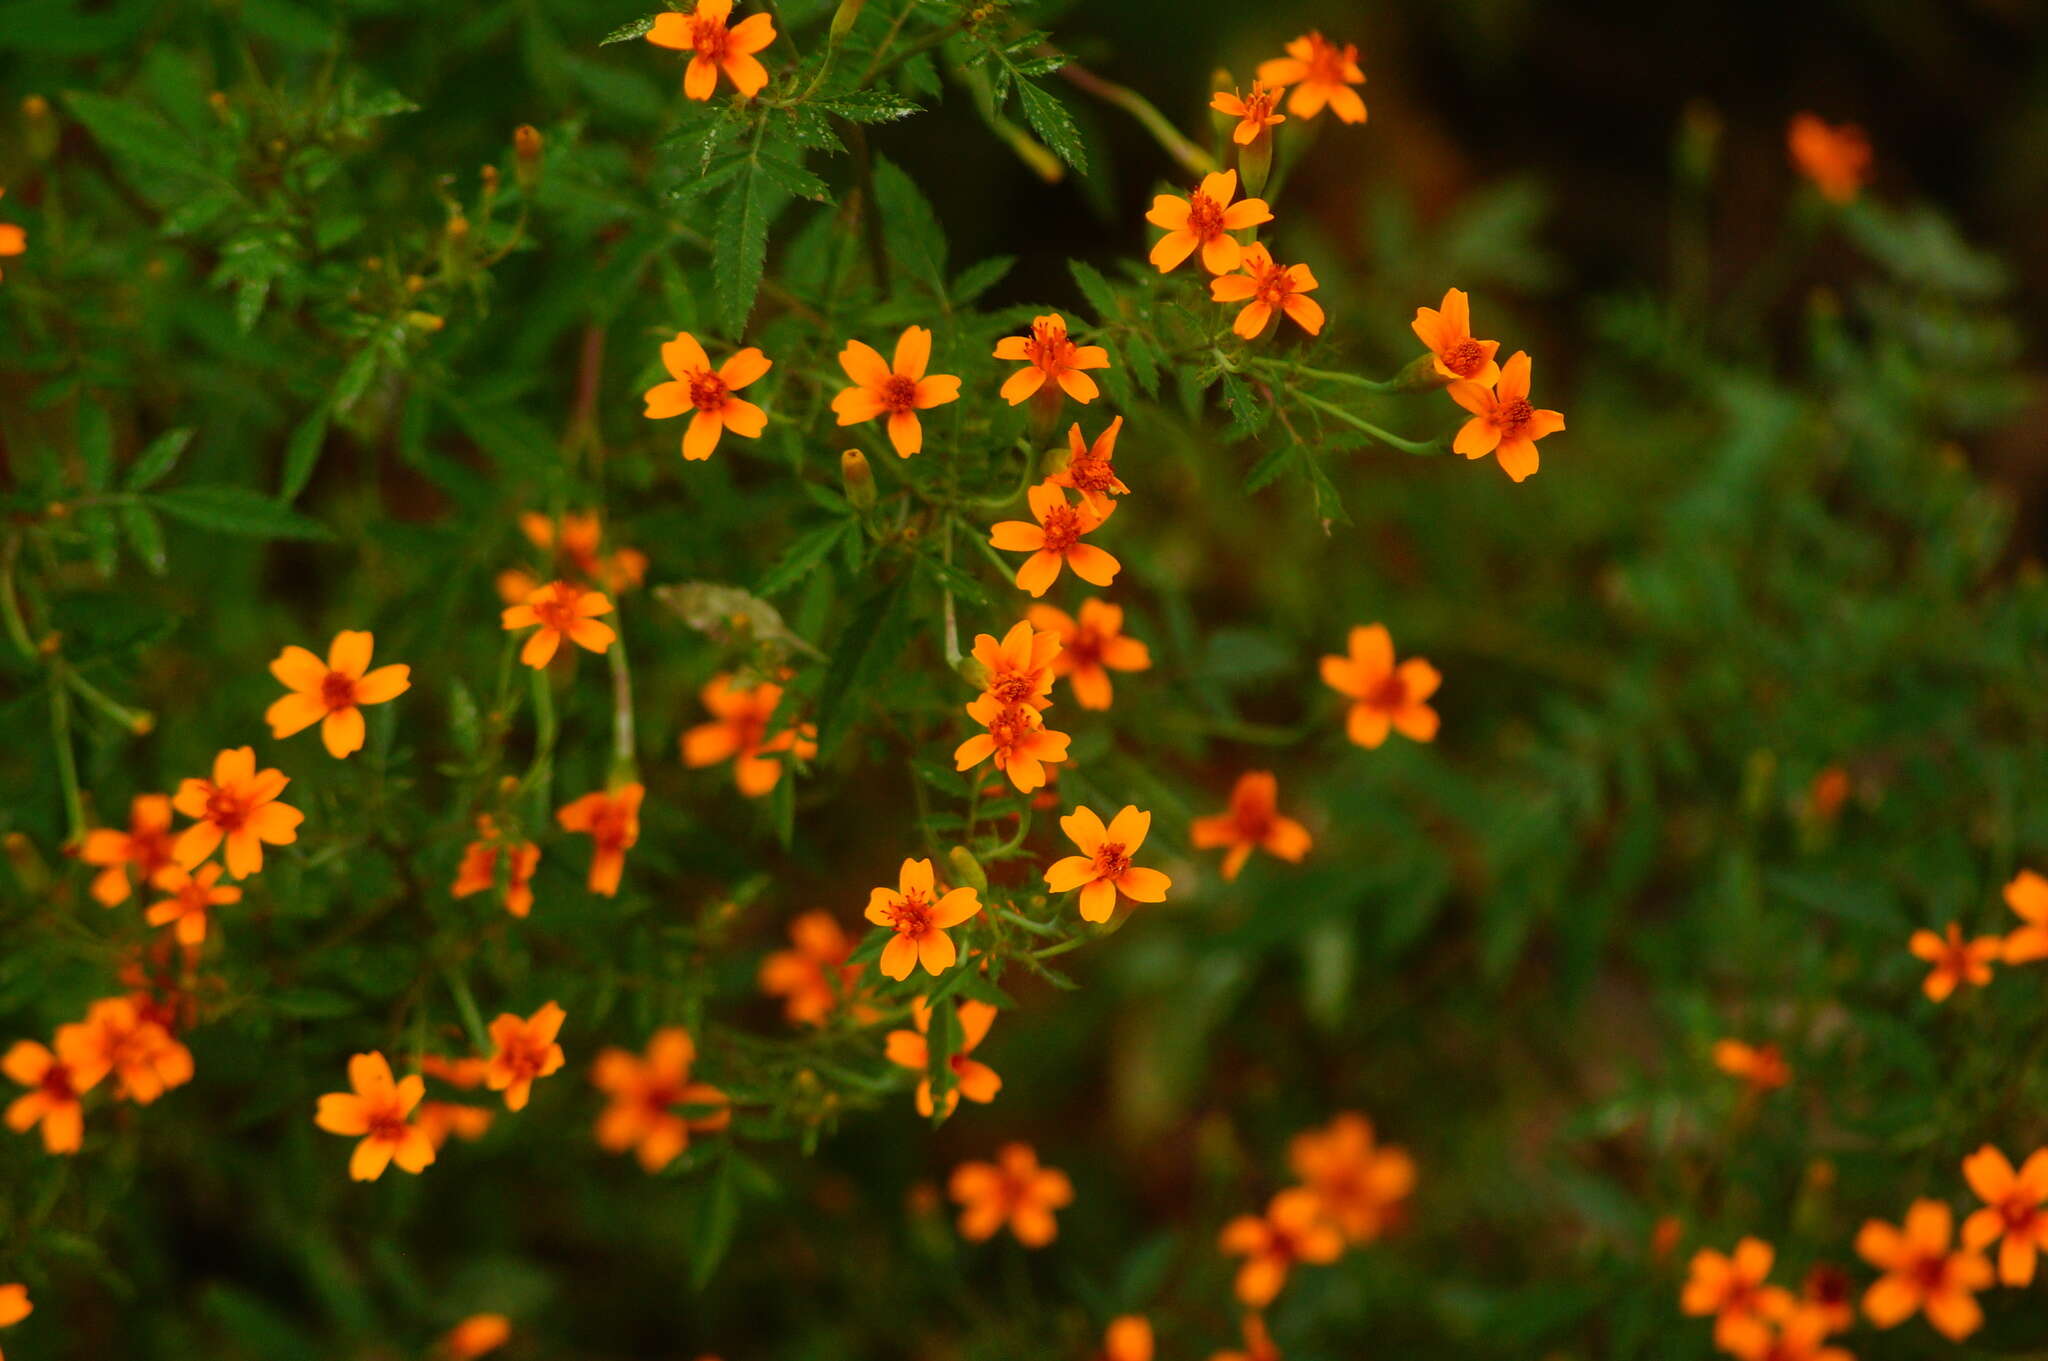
column 1360, row 1183
column 1253, row 112
column 1103, row 869
column 612, row 821
column 193, row 897
column 332, row 693
column 1956, row 961
column 1321, row 73
column 1293, row 1230
column 1019, row 669
column 1800, row 1335
column 1762, row 1066
column 1258, row 1343
column 1826, row 1293
column 1453, row 353
column 375, row 1111
column 1732, row 1289
column 1018, row 740
column 442, row 1120
column 475, row 1336
column 145, row 848
column 813, row 978
column 573, row 544
column 560, row 611
column 144, row 1057
column 1503, row 422
column 1922, row 1273
column 1050, row 358
column 695, row 387
column 1383, row 696
column 479, row 869
column 13, row 240
column 2013, row 1210
column 1203, row 221
column 1272, row 290
column 1128, row 1338
column 2026, row 895
column 972, row 1079
column 1090, row 469
column 56, row 1080
column 718, row 46
column 1091, row 646
column 739, row 733
column 1014, row 1191
column 920, row 917
column 526, row 1052
column 1252, row 822
column 1836, row 159
column 898, row 391
column 239, row 806
column 1055, row 541
column 644, row 1095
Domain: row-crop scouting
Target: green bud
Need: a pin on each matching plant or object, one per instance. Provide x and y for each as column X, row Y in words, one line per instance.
column 844, row 19
column 1419, row 376
column 858, row 479
column 967, row 869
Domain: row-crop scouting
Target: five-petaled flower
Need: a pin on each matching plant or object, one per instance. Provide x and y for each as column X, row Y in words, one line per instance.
column 718, row 47
column 239, row 806
column 1453, row 353
column 1055, row 541
column 332, row 693
column 1383, row 696
column 145, row 1059
column 193, row 898
column 1253, row 112
column 813, row 978
column 1016, row 737
column 574, row 545
column 1733, row 1288
column 1049, row 356
column 739, row 733
column 479, row 868
column 1761, row 1066
column 1360, row 1183
column 526, row 1051
column 1103, row 869
column 2026, row 895
column 694, row 386
column 612, row 820
column 1013, row 1190
column 1503, row 421
column 1292, row 1230
column 1955, row 960
column 920, row 917
column 1922, row 1272
column 1252, row 822
column 144, row 848
column 1204, row 220
column 645, row 1093
column 56, row 1079
column 1321, row 73
column 1836, row 159
column 1019, row 668
column 1092, row 645
column 1090, row 469
column 560, row 610
column 2015, row 1210
column 376, row 1110
column 1272, row 289
column 899, row 390
column 972, row 1078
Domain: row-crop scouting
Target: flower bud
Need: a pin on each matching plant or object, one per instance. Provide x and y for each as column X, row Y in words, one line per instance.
column 844, row 18
column 41, row 128
column 1419, row 376
column 424, row 321
column 858, row 479
column 972, row 671
column 526, row 156
column 967, row 869
column 1255, row 162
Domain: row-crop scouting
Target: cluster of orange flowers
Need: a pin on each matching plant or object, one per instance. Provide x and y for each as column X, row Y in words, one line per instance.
column 130, row 1038
column 1955, row 960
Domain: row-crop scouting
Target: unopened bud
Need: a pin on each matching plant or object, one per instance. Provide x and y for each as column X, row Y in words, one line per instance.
column 41, row 129
column 967, row 869
column 424, row 321
column 526, row 156
column 1255, row 162
column 858, row 479
column 490, row 178
column 1420, row 375
column 972, row 671
column 844, row 19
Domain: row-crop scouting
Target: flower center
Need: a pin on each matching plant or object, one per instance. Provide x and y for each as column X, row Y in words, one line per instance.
column 1390, row 692
column 912, row 916
column 557, row 612
column 1010, row 727
column 898, row 393
column 386, row 1125
column 1465, row 358
column 1012, row 689
column 1325, row 62
column 1273, row 286
column 1253, row 823
column 1090, row 473
column 711, row 38
column 1931, row 1272
column 56, row 1084
column 608, row 828
column 1062, row 529
column 1110, row 860
column 1513, row 415
column 226, row 809
column 525, row 1056
column 2019, row 1216
column 1258, row 105
column 337, row 691
column 1205, row 217
column 707, row 391
column 1049, row 347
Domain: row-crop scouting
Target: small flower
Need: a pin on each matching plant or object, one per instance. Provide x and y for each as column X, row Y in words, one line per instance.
column 696, row 388
column 1013, row 1190
column 920, row 920
column 2013, row 1210
column 1503, row 420
column 644, row 1094
column 2026, row 895
column 1253, row 112
column 1760, row 1066
column 239, row 806
column 1128, row 1338
column 1258, row 1343
column 526, row 1051
column 479, row 869
column 1321, row 73
column 813, row 978
column 739, row 733
column 972, row 1079
column 1293, row 1230
column 1836, row 159
column 1955, row 960
column 1204, row 220
column 1360, row 1184
column 332, row 692
column 1271, row 289
column 193, row 896
column 14, row 1304
column 144, row 848
column 144, row 1057
column 1826, row 1292
column 1020, row 667
column 899, row 391
column 1091, row 646
column 1103, row 869
column 13, row 240
column 1383, row 696
column 1050, row 357
column 464, row 1074
column 442, row 1120
column 1453, row 353
column 1732, row 1289
column 1090, row 469
column 612, row 820
column 1055, row 541
column 475, row 1336
column 717, row 47
column 56, row 1080
column 1252, row 822
column 1922, row 1273
column 376, row 1110
column 1798, row 1335
column 573, row 544
column 560, row 610
column 1018, row 740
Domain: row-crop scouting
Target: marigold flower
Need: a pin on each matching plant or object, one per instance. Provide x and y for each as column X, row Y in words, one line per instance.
column 739, row 733
column 2013, row 1210
column 1826, row 1292
column 1360, row 1184
column 13, row 240
column 1019, row 668
column 644, row 1094
column 1271, row 289
column 1447, row 333
column 193, row 897
column 1103, row 869
column 443, row 1120
column 1050, row 357
column 466, row 1073
column 14, row 1304
column 1258, row 1343
column 971, row 1078
column 1798, row 1335
column 1836, row 159
column 1383, row 696
column 479, row 869
column 1252, row 821
column 1762, row 1066
column 813, row 978
column 1013, row 1190
column 899, row 390
column 145, row 848
column 239, row 806
column 1732, row 1287
column 145, row 1059
column 475, row 1336
column 1128, row 1338
column 1090, row 469
column 2026, row 895
column 920, row 918
column 1018, row 740
column 1204, row 220
column 1503, row 422
column 332, row 692
column 560, row 610
column 1321, row 73
column 56, row 1080
column 1091, row 645
column 1055, row 541
column 1293, row 1230
column 376, row 1110
column 526, row 1051
column 573, row 543
column 718, row 47
column 1955, row 960
column 1253, row 112
column 695, row 387
column 612, row 820
column 1921, row 1273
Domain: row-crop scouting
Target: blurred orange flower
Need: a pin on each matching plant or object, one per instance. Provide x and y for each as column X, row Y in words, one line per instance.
column 1128, row 1338
column 1761, row 1066
column 1089, row 644
column 1447, row 332
column 193, row 896
column 1018, row 740
column 1204, row 220
column 560, row 610
column 1055, row 541
column 813, row 979
column 526, row 1051
column 56, row 1081
column 145, row 848
column 1383, row 696
column 1732, row 1287
column 1103, row 869
column 441, row 1120
column 1258, row 1343
column 1836, row 159
column 332, row 692
column 479, row 869
column 644, row 1094
column 1921, row 1273
column 13, row 240
column 899, row 390
column 695, row 387
column 920, row 919
column 739, row 733
column 476, row 1335
column 1360, row 1183
column 2026, row 895
column 1293, row 1230
column 1321, row 73
column 376, row 1109
column 238, row 805
column 971, row 1078
column 718, row 47
column 1014, row 1191
column 612, row 820
column 1271, row 289
column 1019, row 668
column 144, row 1058
column 1253, row 112
column 1050, row 357
column 573, row 544
column 1090, row 469
column 1252, row 821
column 1955, row 960
column 1798, row 1334
column 1503, row 422
column 2013, row 1210
column 14, row 1302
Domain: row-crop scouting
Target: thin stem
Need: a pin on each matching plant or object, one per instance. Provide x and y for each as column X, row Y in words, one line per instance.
column 625, row 761
column 465, row 1003
column 67, row 760
column 1327, row 375
column 1361, row 424
column 1142, row 109
column 137, row 721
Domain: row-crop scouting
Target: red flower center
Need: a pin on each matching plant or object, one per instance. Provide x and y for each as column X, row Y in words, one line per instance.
column 1049, row 347
column 1110, row 860
column 899, row 393
column 1010, row 727
column 337, row 691
column 711, row 38
column 557, row 611
column 1089, row 473
column 1273, row 286
column 1258, row 105
column 912, row 916
column 1326, row 61
column 707, row 391
column 1930, row 1272
column 386, row 1124
column 1389, row 692
column 1512, row 415
column 2019, row 1215
column 1062, row 528
column 1012, row 688
column 1465, row 358
column 1205, row 217
column 226, row 809
column 56, row 1084
column 608, row 827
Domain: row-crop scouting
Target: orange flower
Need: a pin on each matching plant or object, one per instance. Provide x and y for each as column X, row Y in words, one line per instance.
column 1258, row 1343
column 1761, row 1066
column 526, row 1051
column 193, row 896
column 1921, row 1273
column 1103, row 869
column 1013, row 1190
column 465, row 1074
column 1050, row 357
column 1204, row 220
column 718, row 47
column 1090, row 644
column 899, row 391
column 1253, row 112
column 696, row 387
column 332, row 692
column 1359, row 1183
column 573, row 544
column 1798, row 1335
column 739, row 733
column 1836, row 159
column 1383, row 696
column 13, row 240
column 145, row 1059
column 1089, row 469
column 1252, row 821
column 920, row 920
column 238, row 805
column 1019, row 669
column 1271, row 289
column 1018, row 739
column 145, row 846
column 2013, row 1210
column 1503, row 420
column 1321, row 73
column 1828, row 792
column 560, row 610
column 1826, row 1292
column 476, row 1335
column 814, row 977
column 644, row 1094
column 972, row 1079
column 1732, row 1288
column 376, row 1110
column 441, row 1120
column 1055, row 541
column 612, row 819
column 1128, row 1338
column 56, row 1081
column 1453, row 353
column 1292, row 1230
column 1955, row 960
column 479, row 869
column 2026, row 895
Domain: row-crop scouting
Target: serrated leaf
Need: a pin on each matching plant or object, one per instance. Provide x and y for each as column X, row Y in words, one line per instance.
column 910, row 226
column 1248, row 411
column 793, row 179
column 136, row 134
column 796, row 562
column 1270, row 466
column 236, row 510
column 96, row 445
column 1095, row 289
column 625, row 33
column 741, row 253
column 979, row 277
column 870, row 106
column 717, row 1217
column 1053, row 124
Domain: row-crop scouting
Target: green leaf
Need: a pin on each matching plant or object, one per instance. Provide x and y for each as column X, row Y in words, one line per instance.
column 1248, row 412
column 1096, row 289
column 302, row 455
column 980, row 277
column 718, row 1215
column 236, row 510
column 942, row 1042
column 1271, row 466
column 910, row 227
column 96, row 445
column 313, row 1004
column 870, row 106
column 1053, row 124
column 625, row 33
column 145, row 536
column 155, row 462
column 867, row 643
column 741, row 253
column 793, row 179
column 136, row 134
column 801, row 556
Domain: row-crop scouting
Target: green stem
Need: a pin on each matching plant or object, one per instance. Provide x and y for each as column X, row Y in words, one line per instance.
column 465, row 1002
column 625, row 761
column 1359, row 423
column 137, row 721
column 1130, row 101
column 67, row 760
column 1327, row 375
